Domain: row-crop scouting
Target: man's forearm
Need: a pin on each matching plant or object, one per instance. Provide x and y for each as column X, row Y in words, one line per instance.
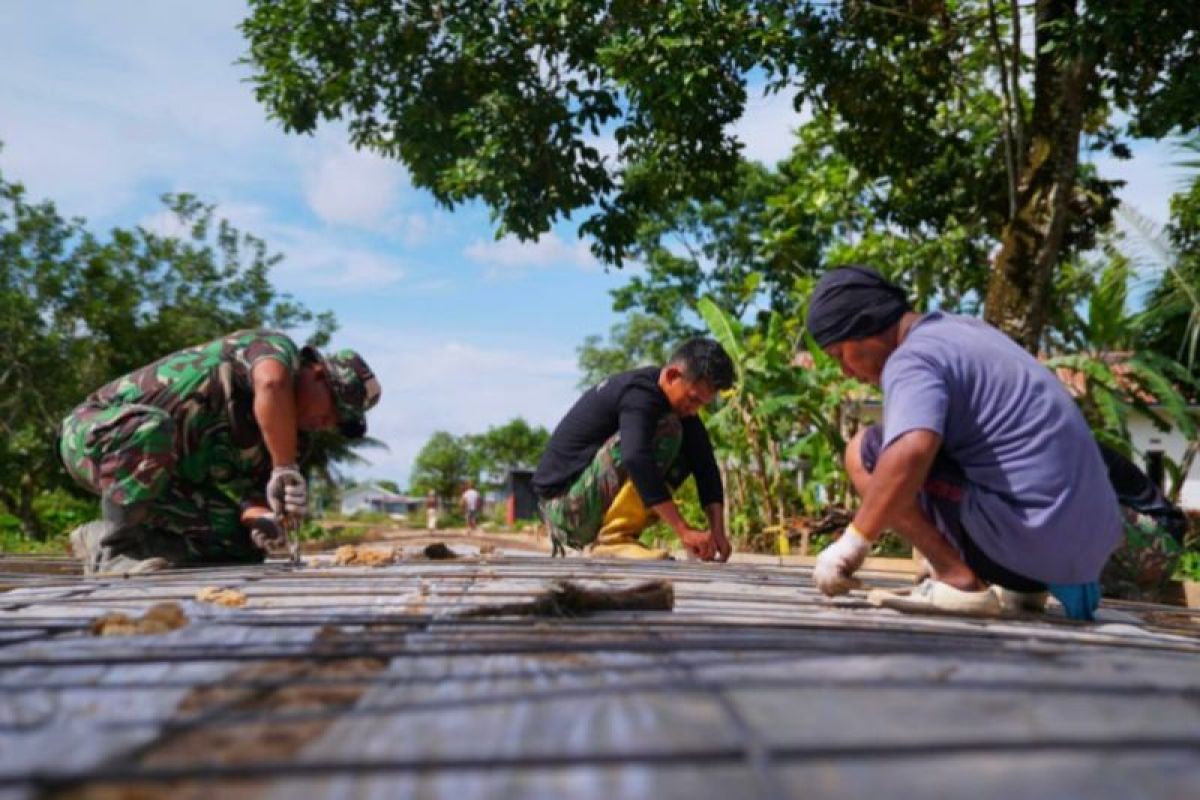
column 275, row 412
column 898, row 475
column 716, row 517
column 668, row 512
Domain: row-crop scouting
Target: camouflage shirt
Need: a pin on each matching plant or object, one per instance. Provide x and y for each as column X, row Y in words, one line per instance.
column 209, row 394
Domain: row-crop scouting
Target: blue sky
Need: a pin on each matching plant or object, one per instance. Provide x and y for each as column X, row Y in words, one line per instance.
column 105, row 106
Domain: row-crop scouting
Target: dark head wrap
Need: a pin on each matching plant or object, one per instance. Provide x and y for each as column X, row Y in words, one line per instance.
column 853, row 302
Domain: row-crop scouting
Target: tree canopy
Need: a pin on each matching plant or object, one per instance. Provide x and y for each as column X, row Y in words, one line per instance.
column 516, row 443
column 622, row 110
column 442, row 466
column 446, row 462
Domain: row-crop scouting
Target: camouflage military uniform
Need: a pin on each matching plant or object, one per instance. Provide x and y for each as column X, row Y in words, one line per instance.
column 575, row 516
column 179, row 439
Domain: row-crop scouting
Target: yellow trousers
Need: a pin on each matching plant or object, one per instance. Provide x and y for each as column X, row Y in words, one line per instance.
column 623, row 523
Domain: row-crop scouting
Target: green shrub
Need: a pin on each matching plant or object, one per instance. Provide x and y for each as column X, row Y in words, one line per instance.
column 372, row 517
column 61, row 512
column 451, row 519
column 12, row 540
column 1189, row 567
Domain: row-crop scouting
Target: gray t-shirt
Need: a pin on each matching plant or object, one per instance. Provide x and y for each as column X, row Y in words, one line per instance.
column 1038, row 499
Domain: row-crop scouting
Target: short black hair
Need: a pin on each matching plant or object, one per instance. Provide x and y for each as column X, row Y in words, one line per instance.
column 705, row 360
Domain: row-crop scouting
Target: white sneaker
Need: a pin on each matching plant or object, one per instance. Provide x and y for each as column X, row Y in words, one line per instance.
column 1013, row 602
column 126, row 565
column 931, row 595
column 86, row 544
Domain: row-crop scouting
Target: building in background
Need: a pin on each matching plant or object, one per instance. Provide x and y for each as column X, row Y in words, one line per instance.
column 522, row 502
column 371, row 498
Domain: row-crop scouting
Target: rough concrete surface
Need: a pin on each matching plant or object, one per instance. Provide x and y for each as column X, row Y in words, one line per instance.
column 381, row 682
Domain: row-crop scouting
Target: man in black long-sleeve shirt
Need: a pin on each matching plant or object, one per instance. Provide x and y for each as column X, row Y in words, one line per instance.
column 612, row 461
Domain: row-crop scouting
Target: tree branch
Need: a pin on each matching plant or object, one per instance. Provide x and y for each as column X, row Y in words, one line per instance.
column 1010, row 159
column 1015, row 77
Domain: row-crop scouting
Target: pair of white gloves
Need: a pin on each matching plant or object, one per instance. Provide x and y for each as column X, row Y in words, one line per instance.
column 287, row 495
column 836, row 565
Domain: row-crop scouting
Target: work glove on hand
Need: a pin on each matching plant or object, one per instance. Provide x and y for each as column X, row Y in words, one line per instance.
column 837, row 563
column 267, row 533
column 287, row 492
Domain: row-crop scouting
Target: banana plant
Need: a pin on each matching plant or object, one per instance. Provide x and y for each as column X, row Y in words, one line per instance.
column 1112, row 381
column 779, row 420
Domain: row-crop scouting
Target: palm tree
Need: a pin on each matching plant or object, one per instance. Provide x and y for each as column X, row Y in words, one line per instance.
column 1112, row 376
column 1171, row 256
column 326, row 454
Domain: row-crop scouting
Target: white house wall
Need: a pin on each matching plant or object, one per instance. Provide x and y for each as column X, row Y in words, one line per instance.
column 1172, row 444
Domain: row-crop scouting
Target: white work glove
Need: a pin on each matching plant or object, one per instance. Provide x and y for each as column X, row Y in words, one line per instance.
column 267, row 533
column 837, row 563
column 287, row 492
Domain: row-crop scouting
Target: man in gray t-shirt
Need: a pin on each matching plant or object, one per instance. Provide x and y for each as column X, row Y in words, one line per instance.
column 983, row 461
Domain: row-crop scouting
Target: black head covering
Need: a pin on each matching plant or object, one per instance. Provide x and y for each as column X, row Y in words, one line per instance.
column 853, row 302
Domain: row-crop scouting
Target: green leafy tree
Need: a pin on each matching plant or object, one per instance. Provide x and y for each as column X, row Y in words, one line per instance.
column 1172, row 321
column 443, row 465
column 77, row 310
column 780, row 422
column 756, row 246
column 324, row 455
column 507, row 103
column 513, row 444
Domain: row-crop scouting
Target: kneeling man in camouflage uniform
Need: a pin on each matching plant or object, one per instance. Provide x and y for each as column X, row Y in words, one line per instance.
column 194, row 457
column 611, row 464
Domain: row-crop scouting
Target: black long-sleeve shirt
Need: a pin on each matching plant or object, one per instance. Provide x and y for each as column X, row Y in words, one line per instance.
column 632, row 403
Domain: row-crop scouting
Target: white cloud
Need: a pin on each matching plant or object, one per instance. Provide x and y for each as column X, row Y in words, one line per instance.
column 98, row 106
column 767, row 126
column 353, row 187
column 510, row 256
column 313, row 260
column 432, row 384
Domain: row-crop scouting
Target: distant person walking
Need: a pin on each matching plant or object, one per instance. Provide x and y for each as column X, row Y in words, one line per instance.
column 472, row 501
column 431, row 510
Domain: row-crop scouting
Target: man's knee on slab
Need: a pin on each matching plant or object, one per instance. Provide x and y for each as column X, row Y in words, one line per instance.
column 624, row 429
column 955, row 387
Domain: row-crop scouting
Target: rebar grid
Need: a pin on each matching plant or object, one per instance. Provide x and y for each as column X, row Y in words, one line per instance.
column 714, row 628
column 691, row 757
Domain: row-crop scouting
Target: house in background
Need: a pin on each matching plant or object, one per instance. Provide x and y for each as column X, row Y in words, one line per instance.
column 372, row 498
column 520, row 500
column 1153, row 448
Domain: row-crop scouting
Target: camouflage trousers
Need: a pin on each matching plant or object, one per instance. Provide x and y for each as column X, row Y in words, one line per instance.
column 575, row 516
column 126, row 455
column 1144, row 564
